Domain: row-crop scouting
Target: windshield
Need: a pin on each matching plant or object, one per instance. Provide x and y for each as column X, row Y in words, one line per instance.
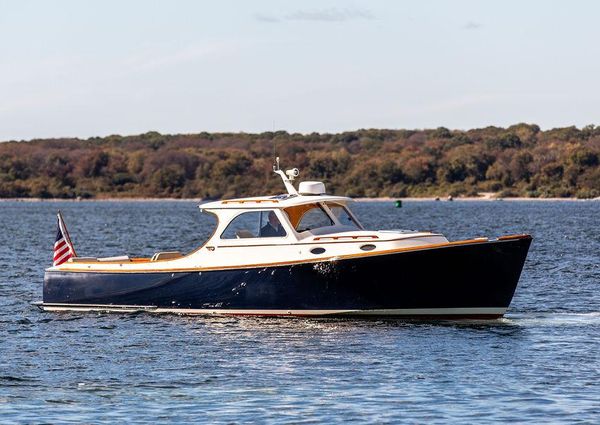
column 254, row 224
column 342, row 215
column 308, row 217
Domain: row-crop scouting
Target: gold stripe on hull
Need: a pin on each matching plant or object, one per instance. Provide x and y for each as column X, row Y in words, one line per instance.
column 290, row 263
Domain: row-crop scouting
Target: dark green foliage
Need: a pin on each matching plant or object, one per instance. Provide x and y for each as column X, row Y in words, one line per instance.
column 584, row 158
column 520, row 160
column 503, row 141
column 441, row 133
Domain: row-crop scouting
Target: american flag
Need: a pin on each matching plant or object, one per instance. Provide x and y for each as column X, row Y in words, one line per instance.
column 63, row 248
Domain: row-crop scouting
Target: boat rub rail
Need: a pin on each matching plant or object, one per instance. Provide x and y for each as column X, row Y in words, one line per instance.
column 290, row 263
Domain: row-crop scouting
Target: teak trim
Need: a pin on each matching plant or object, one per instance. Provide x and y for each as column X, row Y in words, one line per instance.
column 253, row 201
column 335, row 238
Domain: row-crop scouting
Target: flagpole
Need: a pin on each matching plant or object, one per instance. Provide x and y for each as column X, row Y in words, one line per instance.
column 63, row 226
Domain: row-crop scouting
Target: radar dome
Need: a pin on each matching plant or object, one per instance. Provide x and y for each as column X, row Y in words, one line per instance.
column 311, row 188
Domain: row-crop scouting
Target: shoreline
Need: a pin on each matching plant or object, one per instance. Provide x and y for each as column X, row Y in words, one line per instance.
column 474, row 199
column 378, row 199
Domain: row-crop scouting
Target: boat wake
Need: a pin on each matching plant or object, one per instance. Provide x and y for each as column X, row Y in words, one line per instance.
column 553, row 319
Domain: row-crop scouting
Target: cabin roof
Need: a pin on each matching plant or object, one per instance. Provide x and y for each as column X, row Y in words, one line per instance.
column 278, row 201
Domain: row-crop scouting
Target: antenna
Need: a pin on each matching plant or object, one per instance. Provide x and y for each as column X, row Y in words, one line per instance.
column 287, row 177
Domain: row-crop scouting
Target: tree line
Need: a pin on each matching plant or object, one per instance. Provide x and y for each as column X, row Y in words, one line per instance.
column 520, row 160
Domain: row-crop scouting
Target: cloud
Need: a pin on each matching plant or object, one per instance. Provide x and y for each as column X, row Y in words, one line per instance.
column 471, row 25
column 319, row 15
column 266, row 18
column 329, row 15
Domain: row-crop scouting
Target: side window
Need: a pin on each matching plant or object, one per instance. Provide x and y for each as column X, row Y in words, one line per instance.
column 313, row 219
column 254, row 224
column 342, row 215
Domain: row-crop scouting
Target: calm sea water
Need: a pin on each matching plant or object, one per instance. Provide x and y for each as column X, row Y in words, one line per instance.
column 541, row 363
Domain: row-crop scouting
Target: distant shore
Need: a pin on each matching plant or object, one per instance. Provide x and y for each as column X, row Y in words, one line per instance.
column 479, row 163
column 379, row 199
column 473, row 198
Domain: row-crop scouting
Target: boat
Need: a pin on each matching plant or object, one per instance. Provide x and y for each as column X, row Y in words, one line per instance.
column 300, row 253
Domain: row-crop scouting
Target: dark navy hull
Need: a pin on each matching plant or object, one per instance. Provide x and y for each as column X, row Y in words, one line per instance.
column 477, row 279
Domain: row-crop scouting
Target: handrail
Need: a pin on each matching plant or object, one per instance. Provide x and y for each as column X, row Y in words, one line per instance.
column 335, row 238
column 256, row 201
column 509, row 237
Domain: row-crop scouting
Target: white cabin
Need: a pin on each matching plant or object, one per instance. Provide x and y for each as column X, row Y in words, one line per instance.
column 304, row 225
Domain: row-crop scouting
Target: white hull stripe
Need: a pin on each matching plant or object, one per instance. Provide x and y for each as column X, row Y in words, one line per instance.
column 467, row 311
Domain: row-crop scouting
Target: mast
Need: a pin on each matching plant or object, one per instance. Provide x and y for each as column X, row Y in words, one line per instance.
column 287, row 177
column 65, row 232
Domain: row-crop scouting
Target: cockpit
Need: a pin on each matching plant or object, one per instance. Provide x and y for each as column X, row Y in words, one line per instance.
column 315, row 218
column 299, row 214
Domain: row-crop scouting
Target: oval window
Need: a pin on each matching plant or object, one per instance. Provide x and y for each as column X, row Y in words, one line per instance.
column 318, row 250
column 368, row 247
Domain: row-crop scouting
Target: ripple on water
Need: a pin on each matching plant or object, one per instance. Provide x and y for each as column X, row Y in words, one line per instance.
column 539, row 364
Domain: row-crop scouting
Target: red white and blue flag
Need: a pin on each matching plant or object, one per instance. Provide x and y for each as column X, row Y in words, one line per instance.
column 63, row 247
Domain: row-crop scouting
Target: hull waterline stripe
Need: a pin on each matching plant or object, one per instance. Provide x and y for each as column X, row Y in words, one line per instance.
column 459, row 311
column 290, row 263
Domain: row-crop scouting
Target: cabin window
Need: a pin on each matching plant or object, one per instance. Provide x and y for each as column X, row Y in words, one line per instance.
column 343, row 216
column 314, row 218
column 254, row 224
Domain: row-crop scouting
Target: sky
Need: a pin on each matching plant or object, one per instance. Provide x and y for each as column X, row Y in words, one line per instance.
column 94, row 68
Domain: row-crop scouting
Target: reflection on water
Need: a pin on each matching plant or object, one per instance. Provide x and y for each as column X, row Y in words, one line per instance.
column 539, row 363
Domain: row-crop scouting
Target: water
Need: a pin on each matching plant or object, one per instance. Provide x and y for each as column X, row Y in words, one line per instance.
column 540, row 364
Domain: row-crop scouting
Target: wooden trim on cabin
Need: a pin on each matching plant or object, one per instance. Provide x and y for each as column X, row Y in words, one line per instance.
column 296, row 212
column 254, row 201
column 335, row 238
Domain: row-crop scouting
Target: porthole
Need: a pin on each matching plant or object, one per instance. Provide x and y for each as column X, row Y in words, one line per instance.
column 368, row 247
column 318, row 250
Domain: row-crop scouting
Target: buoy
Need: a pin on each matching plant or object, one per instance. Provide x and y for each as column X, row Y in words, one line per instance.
column 398, row 203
